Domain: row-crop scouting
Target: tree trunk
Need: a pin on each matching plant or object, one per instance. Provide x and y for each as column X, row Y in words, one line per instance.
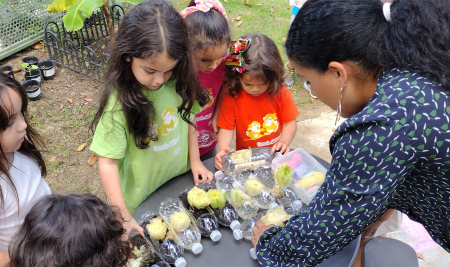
column 106, row 11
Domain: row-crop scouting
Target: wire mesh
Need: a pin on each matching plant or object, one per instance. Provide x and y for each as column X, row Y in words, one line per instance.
column 71, row 49
column 22, row 23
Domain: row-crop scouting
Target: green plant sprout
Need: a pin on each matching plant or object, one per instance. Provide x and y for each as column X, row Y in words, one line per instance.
column 28, row 67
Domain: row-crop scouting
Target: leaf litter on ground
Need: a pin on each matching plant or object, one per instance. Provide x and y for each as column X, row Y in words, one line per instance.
column 92, row 159
column 80, row 147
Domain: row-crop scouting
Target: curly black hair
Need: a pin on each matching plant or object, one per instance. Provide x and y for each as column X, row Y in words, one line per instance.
column 416, row 38
column 70, row 231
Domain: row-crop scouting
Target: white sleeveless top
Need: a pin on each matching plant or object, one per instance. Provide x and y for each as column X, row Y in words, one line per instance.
column 30, row 187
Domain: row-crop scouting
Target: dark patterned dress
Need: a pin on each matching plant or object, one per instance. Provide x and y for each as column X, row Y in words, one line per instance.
column 394, row 154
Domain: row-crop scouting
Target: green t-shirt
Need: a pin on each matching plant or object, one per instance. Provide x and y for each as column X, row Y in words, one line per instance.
column 142, row 171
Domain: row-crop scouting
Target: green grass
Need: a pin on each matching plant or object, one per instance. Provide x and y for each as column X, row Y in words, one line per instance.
column 256, row 17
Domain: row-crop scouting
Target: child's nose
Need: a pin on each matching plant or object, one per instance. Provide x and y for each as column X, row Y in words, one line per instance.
column 159, row 78
column 213, row 66
column 22, row 125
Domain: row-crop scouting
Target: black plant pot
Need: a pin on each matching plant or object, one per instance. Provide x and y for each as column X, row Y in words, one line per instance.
column 7, row 70
column 33, row 74
column 47, row 68
column 32, row 60
column 33, row 89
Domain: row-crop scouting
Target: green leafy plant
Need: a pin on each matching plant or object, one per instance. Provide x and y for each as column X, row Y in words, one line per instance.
column 78, row 10
column 28, row 67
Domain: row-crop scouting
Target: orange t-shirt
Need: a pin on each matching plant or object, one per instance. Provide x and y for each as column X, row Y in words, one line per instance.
column 258, row 120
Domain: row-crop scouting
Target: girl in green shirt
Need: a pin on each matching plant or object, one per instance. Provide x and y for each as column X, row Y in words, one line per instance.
column 145, row 129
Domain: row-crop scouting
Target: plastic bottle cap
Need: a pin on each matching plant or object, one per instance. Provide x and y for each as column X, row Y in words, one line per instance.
column 235, row 225
column 273, row 206
column 219, row 175
column 297, row 204
column 253, row 254
column 197, row 248
column 180, row 262
column 237, row 234
column 215, row 235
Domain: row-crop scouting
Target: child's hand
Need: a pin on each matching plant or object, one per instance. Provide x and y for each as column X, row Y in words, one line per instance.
column 280, row 146
column 198, row 169
column 219, row 156
column 130, row 224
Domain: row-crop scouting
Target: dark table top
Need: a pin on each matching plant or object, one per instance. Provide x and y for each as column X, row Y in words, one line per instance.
column 227, row 251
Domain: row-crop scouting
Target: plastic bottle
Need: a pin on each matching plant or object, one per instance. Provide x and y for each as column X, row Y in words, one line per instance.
column 168, row 248
column 187, row 234
column 205, row 218
column 205, row 138
column 264, row 197
column 246, row 160
column 172, row 251
column 226, row 183
column 161, row 264
column 246, row 229
column 228, row 216
column 287, row 197
column 209, row 225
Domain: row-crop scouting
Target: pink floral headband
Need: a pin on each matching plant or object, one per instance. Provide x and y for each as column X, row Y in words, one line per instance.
column 204, row 6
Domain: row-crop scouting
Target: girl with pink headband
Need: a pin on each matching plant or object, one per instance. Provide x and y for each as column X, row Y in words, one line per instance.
column 207, row 24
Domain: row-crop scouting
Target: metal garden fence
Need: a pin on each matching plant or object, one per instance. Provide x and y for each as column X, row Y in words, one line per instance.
column 71, row 49
column 22, row 23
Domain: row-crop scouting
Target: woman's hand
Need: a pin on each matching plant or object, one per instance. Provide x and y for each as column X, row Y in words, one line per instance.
column 372, row 229
column 198, row 169
column 219, row 156
column 258, row 230
column 280, row 146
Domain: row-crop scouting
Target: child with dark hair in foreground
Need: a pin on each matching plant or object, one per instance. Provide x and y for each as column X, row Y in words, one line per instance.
column 70, row 231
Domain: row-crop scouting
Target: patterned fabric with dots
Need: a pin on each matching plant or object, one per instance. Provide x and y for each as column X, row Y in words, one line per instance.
column 395, row 154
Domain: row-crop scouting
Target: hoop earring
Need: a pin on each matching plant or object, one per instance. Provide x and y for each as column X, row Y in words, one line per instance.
column 339, row 108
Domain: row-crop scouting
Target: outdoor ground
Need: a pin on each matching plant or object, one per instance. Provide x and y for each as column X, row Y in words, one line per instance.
column 69, row 102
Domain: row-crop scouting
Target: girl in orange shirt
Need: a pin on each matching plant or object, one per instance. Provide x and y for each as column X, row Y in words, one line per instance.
column 258, row 105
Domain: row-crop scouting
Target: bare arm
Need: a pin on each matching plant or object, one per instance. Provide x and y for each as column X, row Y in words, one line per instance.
column 223, row 91
column 197, row 167
column 223, row 146
column 288, row 133
column 109, row 176
column 4, row 258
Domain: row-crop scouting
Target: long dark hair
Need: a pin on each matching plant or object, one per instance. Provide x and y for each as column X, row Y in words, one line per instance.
column 416, row 39
column 150, row 28
column 207, row 29
column 262, row 60
column 28, row 147
column 70, row 231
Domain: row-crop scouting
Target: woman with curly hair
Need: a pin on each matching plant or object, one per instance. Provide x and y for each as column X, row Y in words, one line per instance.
column 70, row 231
